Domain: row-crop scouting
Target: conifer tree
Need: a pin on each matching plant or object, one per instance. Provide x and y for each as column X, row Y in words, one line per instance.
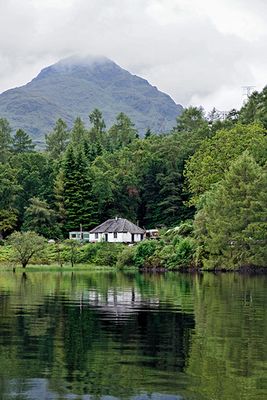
column 5, row 139
column 122, row 133
column 97, row 131
column 78, row 132
column 57, row 140
column 79, row 204
column 21, row 142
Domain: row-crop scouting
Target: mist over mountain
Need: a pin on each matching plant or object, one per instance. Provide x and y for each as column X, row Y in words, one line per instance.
column 76, row 86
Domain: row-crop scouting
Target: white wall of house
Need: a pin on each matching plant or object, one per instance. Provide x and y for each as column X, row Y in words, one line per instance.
column 120, row 237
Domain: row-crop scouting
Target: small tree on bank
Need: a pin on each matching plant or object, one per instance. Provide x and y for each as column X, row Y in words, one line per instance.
column 25, row 246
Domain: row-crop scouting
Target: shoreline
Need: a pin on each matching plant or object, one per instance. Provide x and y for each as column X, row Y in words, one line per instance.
column 252, row 270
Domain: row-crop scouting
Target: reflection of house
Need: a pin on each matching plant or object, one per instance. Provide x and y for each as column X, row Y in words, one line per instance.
column 117, row 230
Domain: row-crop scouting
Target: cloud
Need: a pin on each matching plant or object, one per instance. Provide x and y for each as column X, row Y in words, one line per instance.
column 198, row 52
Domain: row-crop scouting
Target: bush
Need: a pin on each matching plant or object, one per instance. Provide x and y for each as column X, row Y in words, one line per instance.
column 126, row 257
column 144, row 250
column 103, row 253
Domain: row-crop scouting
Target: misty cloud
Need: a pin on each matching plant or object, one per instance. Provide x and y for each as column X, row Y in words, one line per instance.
column 197, row 53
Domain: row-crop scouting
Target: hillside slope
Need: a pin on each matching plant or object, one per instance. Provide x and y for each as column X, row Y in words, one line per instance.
column 75, row 86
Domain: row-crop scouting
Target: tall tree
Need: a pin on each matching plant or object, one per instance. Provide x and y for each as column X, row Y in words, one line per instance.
column 122, row 133
column 97, row 131
column 190, row 120
column 78, row 195
column 40, row 218
column 9, row 192
column 232, row 222
column 21, row 142
column 255, row 109
column 35, row 175
column 57, row 140
column 207, row 166
column 5, row 139
column 78, row 132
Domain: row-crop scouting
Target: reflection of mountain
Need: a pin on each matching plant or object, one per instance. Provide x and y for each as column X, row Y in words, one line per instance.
column 75, row 86
column 106, row 339
column 65, row 336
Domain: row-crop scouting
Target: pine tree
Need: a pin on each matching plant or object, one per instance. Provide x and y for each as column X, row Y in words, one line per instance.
column 57, row 140
column 21, row 142
column 79, row 203
column 97, row 131
column 5, row 139
column 122, row 133
column 78, row 132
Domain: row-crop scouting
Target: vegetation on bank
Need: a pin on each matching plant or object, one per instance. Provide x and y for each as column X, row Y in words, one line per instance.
column 204, row 184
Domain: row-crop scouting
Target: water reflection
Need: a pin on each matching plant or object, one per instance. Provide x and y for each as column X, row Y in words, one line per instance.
column 132, row 336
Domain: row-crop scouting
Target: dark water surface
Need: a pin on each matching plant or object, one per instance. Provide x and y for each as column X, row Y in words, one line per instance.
column 102, row 335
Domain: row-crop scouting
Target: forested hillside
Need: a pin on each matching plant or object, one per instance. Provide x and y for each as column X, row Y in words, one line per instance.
column 207, row 176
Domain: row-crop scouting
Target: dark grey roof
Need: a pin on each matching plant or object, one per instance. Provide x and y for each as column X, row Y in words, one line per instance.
column 117, row 225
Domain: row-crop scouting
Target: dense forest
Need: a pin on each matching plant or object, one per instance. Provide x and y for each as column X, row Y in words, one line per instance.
column 206, row 179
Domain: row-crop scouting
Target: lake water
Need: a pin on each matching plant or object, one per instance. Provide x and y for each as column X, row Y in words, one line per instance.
column 107, row 335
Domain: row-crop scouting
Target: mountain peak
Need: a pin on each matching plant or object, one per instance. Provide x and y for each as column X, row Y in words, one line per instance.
column 77, row 85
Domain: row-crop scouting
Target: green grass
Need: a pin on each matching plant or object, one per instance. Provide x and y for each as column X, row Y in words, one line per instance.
column 57, row 268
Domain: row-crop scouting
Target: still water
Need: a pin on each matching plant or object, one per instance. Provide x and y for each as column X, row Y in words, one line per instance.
column 107, row 335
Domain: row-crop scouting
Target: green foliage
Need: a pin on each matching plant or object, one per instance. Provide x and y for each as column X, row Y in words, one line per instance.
column 5, row 139
column 40, row 218
column 35, row 175
column 255, row 109
column 144, row 250
column 122, row 133
column 57, row 140
column 97, row 133
column 103, row 253
column 25, row 246
column 9, row 192
column 78, row 132
column 231, row 223
column 21, row 142
column 79, row 203
column 191, row 120
column 126, row 258
column 207, row 166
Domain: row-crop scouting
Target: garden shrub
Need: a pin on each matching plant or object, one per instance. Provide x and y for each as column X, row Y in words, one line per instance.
column 144, row 250
column 126, row 257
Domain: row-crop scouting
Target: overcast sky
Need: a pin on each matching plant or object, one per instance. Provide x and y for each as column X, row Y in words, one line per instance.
column 201, row 52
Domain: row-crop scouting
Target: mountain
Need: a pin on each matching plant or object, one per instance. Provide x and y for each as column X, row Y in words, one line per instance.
column 75, row 86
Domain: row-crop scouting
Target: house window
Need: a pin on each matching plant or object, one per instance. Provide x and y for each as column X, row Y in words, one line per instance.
column 115, row 235
column 96, row 235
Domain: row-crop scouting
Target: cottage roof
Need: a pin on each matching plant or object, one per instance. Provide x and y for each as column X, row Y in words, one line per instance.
column 117, row 225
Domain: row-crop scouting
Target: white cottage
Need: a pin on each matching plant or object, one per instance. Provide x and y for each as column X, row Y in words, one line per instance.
column 117, row 230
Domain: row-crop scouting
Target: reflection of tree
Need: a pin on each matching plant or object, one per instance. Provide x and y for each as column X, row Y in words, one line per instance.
column 86, row 346
column 120, row 334
column 228, row 351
